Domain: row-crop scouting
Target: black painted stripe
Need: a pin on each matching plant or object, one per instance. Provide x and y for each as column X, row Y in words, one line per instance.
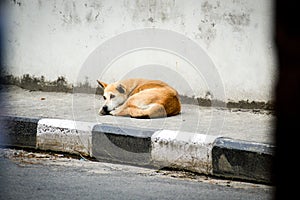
column 18, row 131
column 243, row 160
column 122, row 144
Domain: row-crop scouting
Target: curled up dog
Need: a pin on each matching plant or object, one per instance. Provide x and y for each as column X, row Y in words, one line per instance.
column 140, row 98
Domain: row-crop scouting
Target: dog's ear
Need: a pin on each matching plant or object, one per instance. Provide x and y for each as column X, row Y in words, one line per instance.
column 120, row 88
column 102, row 84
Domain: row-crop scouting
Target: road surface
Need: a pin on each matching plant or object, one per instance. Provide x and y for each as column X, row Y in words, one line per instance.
column 41, row 175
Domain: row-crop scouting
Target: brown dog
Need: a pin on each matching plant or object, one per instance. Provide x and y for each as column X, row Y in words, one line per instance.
column 140, row 98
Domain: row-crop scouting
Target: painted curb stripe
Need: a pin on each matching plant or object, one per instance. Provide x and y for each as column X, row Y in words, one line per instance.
column 18, row 131
column 65, row 135
column 242, row 145
column 184, row 150
column 164, row 148
column 243, row 160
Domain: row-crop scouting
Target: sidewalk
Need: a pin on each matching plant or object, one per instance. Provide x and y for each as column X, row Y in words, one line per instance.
column 214, row 141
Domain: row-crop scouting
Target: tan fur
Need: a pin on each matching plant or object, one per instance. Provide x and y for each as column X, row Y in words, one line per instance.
column 140, row 98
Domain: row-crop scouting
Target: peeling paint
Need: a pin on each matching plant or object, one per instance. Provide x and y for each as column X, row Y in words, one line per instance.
column 207, row 30
column 151, row 19
column 237, row 20
column 153, row 11
column 70, row 15
column 94, row 11
column 16, row 2
column 206, row 34
column 214, row 13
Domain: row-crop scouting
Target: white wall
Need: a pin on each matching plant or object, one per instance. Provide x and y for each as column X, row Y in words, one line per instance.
column 221, row 47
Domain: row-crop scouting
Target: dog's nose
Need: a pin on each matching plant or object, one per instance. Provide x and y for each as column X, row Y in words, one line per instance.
column 105, row 108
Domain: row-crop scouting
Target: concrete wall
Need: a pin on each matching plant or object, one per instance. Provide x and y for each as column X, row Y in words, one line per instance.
column 212, row 49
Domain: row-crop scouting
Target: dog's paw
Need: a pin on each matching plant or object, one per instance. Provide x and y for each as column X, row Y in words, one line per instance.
column 113, row 113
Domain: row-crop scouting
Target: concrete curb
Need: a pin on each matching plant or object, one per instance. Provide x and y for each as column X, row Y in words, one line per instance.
column 206, row 154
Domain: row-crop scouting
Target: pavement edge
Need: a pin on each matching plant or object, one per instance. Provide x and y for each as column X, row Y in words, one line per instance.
column 210, row 155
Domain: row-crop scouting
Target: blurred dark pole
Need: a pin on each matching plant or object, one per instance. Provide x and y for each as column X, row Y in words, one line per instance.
column 287, row 39
column 2, row 24
column 3, row 16
column 1, row 35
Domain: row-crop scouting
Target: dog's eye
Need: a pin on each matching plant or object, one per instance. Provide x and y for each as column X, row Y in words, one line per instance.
column 112, row 96
column 104, row 97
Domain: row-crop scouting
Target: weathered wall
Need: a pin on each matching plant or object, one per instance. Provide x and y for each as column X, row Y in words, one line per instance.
column 233, row 39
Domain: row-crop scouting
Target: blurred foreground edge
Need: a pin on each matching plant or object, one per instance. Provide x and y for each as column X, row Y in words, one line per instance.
column 287, row 98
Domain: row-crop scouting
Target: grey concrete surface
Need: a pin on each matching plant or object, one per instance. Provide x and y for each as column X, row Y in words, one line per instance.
column 249, row 125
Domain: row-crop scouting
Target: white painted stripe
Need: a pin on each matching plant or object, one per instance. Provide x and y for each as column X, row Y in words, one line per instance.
column 185, row 150
column 165, row 134
column 67, row 124
column 65, row 135
column 188, row 137
column 62, row 123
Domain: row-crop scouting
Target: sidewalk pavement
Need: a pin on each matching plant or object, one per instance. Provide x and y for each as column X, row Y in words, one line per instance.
column 230, row 143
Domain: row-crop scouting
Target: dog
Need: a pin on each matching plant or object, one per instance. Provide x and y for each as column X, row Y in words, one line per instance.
column 139, row 98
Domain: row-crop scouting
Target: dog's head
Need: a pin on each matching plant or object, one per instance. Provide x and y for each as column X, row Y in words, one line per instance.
column 114, row 95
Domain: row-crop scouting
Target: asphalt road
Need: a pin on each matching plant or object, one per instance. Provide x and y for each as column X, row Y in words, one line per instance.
column 33, row 175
